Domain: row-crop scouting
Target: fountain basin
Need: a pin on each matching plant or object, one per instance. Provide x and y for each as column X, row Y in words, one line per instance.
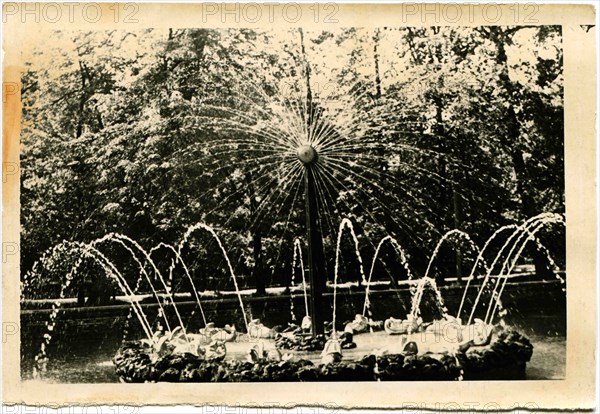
column 504, row 358
column 89, row 338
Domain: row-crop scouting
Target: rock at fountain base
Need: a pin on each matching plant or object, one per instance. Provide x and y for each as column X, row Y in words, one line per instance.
column 504, row 359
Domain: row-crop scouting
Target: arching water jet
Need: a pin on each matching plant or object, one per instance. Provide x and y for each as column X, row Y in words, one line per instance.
column 298, row 257
column 187, row 273
column 403, row 260
column 212, row 232
column 524, row 228
column 345, row 223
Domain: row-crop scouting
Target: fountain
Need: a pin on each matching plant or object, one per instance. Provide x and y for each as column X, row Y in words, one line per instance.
column 451, row 349
column 308, row 156
column 406, row 348
column 466, row 354
column 410, row 347
column 309, row 150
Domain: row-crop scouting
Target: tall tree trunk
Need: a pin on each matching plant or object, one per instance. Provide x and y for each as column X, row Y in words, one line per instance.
column 309, row 96
column 257, row 271
column 83, row 71
column 456, row 207
column 376, row 38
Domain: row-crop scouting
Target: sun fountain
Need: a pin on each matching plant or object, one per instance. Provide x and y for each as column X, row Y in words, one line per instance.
column 441, row 348
column 408, row 348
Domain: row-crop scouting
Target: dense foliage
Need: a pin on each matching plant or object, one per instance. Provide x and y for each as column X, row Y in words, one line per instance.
column 146, row 133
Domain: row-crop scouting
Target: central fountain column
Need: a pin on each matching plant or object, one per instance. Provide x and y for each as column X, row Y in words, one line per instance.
column 316, row 258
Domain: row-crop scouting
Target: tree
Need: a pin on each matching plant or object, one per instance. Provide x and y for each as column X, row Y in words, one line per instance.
column 421, row 130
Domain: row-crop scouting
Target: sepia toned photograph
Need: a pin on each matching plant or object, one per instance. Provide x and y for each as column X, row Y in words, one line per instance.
column 235, row 205
column 294, row 203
